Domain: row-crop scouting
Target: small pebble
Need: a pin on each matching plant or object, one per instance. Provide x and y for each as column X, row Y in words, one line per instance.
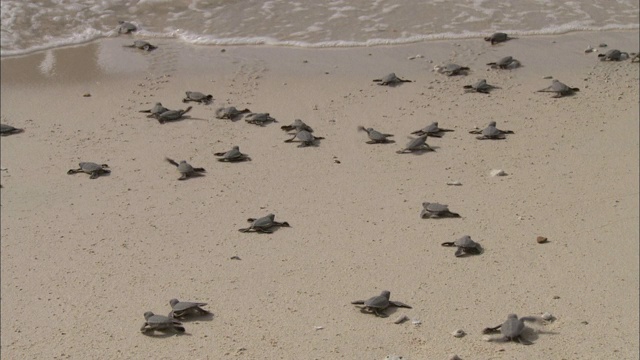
column 548, row 77
column 235, row 257
column 454, row 357
column 498, row 172
column 602, row 45
column 458, row 333
column 556, row 297
column 584, row 323
column 87, row 95
column 541, row 239
column 454, row 183
column 318, row 327
column 416, row 322
column 395, row 357
column 547, row 317
column 401, row 319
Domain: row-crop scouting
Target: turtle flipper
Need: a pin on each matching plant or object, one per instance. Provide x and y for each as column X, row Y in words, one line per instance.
column 460, row 252
column 358, row 302
column 200, row 170
column 183, row 176
column 489, row 330
column 400, row 304
column 263, row 230
column 245, row 229
column 438, row 135
column 451, row 214
column 171, row 161
column 282, row 224
column 94, row 175
column 523, row 341
column 73, row 171
column 448, row 244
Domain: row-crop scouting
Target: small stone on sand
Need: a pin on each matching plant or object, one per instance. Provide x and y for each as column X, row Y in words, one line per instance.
column 541, row 239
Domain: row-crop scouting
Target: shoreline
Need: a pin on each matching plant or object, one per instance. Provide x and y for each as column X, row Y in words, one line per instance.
column 93, row 255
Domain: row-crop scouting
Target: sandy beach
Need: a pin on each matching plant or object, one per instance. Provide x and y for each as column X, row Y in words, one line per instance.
column 82, row 260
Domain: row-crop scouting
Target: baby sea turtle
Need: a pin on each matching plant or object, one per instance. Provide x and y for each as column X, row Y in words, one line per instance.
column 512, row 328
column 171, row 115
column 391, row 80
column 233, row 155
column 142, row 45
column 264, row 224
column 379, row 303
column 197, row 97
column 126, row 27
column 185, row 169
column 451, row 69
column 417, row 145
column 305, row 138
column 375, row 136
column 506, row 62
column 481, row 86
column 636, row 58
column 435, row 210
column 613, row 55
column 491, row 132
column 230, row 112
column 498, row 38
column 431, row 130
column 259, row 119
column 559, row 88
column 185, row 308
column 9, row 130
column 160, row 322
column 156, row 110
column 297, row 125
column 93, row 169
column 465, row 246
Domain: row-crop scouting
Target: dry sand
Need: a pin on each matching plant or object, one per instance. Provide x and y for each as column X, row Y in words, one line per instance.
column 83, row 259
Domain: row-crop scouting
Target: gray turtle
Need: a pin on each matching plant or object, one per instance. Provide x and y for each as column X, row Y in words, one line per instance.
column 297, row 125
column 126, row 27
column 264, row 224
column 376, row 136
column 142, row 45
column 390, row 80
column 481, row 86
column 418, row 144
column 498, row 38
column 185, row 308
column 233, row 155
column 156, row 110
column 559, row 89
column 197, row 96
column 636, row 58
column 491, row 132
column 465, row 246
column 512, row 329
column 431, row 130
column 259, row 119
column 451, row 69
column 230, row 112
column 379, row 303
column 434, row 210
column 305, row 138
column 93, row 169
column 613, row 55
column 171, row 115
column 160, row 322
column 9, row 130
column 506, row 62
column 185, row 169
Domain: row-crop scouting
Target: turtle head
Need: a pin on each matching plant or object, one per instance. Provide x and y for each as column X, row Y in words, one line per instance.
column 235, row 147
column 271, row 216
column 425, row 204
column 173, row 302
column 361, row 128
column 512, row 316
column 148, row 314
column 386, row 294
column 492, row 123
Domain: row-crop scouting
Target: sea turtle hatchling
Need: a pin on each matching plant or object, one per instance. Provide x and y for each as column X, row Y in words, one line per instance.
column 498, row 38
column 264, row 224
column 434, row 210
column 160, row 322
column 375, row 136
column 185, row 169
column 559, row 89
column 156, row 110
column 480, row 86
column 390, row 80
column 297, row 125
column 230, row 112
column 465, row 246
column 185, row 308
column 93, row 169
column 125, row 27
column 142, row 45
column 507, row 62
column 259, row 119
column 491, row 132
column 233, row 155
column 635, row 58
column 171, row 115
column 197, row 96
column 417, row 145
column 377, row 304
column 512, row 329
column 613, row 55
column 451, row 69
column 431, row 130
column 305, row 138
column 9, row 130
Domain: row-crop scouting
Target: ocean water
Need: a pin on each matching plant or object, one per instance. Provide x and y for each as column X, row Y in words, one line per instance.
column 34, row 25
